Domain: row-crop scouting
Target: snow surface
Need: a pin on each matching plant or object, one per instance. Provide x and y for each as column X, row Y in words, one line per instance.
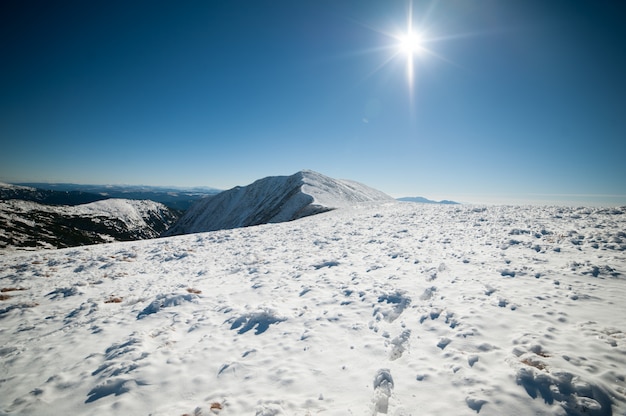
column 274, row 199
column 396, row 308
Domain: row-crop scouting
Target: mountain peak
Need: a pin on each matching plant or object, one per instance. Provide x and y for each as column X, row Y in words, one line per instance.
column 274, row 199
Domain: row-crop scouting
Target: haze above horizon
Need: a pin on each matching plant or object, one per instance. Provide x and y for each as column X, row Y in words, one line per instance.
column 485, row 102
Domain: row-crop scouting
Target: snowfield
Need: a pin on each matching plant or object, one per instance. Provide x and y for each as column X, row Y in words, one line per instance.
column 382, row 309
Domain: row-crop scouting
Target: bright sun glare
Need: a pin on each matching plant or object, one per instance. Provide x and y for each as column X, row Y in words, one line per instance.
column 410, row 44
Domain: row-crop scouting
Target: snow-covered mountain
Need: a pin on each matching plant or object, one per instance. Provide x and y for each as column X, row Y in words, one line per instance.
column 390, row 309
column 274, row 199
column 31, row 224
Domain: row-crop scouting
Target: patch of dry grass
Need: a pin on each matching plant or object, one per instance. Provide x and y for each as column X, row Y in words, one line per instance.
column 533, row 363
column 533, row 360
column 11, row 289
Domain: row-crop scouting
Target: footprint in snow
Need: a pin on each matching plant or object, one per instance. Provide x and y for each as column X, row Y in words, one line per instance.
column 443, row 342
column 428, row 293
column 475, row 404
column 383, row 384
column 398, row 301
column 399, row 345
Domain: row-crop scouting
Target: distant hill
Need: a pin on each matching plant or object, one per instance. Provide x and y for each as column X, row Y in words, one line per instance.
column 423, row 200
column 173, row 197
column 27, row 224
column 44, row 218
column 274, row 199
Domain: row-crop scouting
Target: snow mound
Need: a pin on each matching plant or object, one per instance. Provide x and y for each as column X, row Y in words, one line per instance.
column 165, row 301
column 274, row 199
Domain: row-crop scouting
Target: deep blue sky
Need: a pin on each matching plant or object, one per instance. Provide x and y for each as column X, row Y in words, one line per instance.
column 514, row 101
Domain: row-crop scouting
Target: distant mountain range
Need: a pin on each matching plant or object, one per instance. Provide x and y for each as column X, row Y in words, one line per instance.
column 43, row 215
column 422, row 200
column 73, row 194
column 47, row 196
column 274, row 199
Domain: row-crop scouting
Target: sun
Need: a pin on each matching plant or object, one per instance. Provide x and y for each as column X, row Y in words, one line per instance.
column 410, row 44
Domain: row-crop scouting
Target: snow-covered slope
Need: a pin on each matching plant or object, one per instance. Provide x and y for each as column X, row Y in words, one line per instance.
column 391, row 309
column 7, row 187
column 30, row 224
column 274, row 199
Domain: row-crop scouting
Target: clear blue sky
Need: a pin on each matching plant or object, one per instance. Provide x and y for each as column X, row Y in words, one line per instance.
column 511, row 100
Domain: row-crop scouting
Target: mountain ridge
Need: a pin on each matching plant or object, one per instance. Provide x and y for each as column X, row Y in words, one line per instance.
column 274, row 199
column 180, row 198
column 422, row 200
column 47, row 196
